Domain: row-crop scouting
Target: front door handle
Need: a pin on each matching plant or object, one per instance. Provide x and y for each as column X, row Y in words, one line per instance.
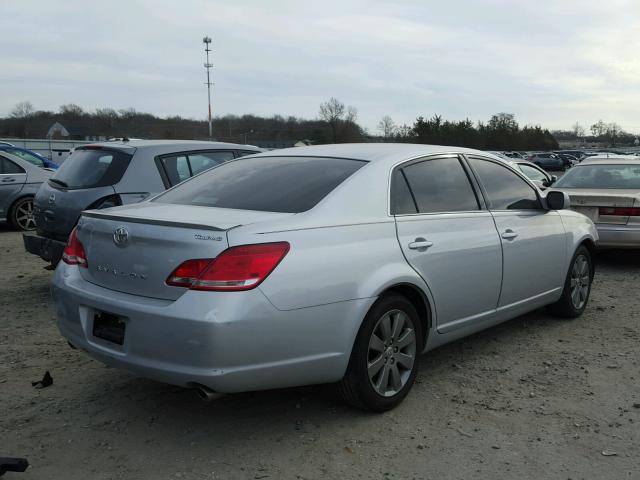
column 509, row 234
column 7, row 180
column 420, row 244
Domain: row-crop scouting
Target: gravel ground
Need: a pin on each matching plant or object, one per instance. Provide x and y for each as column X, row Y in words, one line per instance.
column 535, row 397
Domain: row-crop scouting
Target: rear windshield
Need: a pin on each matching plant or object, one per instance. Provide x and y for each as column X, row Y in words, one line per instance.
column 88, row 168
column 601, row 176
column 268, row 184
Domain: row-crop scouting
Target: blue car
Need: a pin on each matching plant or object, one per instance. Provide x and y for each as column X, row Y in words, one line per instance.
column 29, row 156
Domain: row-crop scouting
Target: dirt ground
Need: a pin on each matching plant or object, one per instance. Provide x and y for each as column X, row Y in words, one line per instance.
column 535, row 397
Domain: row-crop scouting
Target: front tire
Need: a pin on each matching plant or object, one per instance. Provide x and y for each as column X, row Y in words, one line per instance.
column 384, row 361
column 21, row 215
column 577, row 286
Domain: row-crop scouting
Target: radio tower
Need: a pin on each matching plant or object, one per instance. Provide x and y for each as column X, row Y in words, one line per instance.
column 208, row 66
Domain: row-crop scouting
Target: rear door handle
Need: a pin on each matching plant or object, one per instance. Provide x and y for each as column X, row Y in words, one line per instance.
column 7, row 180
column 509, row 234
column 420, row 244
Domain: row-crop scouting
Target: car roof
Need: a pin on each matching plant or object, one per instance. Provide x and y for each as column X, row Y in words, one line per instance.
column 617, row 160
column 187, row 144
column 372, row 152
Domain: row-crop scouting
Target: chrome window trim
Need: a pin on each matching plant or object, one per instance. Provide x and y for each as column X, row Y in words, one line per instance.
column 408, row 161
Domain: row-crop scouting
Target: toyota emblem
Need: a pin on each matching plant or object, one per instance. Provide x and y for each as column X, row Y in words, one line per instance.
column 121, row 236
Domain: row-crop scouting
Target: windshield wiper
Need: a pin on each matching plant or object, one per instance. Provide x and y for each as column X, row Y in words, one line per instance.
column 58, row 182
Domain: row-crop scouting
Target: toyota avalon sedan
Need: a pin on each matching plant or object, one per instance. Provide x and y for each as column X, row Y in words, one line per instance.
column 607, row 190
column 325, row 264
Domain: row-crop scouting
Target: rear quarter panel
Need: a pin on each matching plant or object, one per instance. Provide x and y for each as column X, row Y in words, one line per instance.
column 332, row 264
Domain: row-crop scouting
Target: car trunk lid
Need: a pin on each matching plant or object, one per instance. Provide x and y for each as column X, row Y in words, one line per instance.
column 604, row 207
column 133, row 249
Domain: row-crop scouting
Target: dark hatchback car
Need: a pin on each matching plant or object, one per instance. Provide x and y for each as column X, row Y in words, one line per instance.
column 548, row 161
column 109, row 174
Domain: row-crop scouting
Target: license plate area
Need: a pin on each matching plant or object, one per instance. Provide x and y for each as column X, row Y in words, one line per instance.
column 109, row 327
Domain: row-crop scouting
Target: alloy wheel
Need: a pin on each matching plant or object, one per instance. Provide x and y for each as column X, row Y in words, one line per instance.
column 580, row 282
column 24, row 215
column 392, row 353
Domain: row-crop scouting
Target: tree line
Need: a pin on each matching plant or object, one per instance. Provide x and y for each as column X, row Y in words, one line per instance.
column 600, row 132
column 336, row 123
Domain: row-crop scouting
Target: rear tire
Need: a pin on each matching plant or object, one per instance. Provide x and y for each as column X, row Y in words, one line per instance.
column 21, row 214
column 384, row 360
column 577, row 286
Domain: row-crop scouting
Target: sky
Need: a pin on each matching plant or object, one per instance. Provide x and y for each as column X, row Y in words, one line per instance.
column 552, row 63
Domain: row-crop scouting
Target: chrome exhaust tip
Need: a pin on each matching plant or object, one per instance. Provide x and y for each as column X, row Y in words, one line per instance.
column 206, row 394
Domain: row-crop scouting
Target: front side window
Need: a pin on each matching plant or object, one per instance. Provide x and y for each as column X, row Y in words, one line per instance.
column 437, row 185
column 505, row 189
column 7, row 167
column 267, row 184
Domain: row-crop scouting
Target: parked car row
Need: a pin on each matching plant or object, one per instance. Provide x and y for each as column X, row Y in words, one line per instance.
column 336, row 263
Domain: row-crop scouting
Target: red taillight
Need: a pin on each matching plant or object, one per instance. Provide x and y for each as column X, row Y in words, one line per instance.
column 73, row 253
column 620, row 211
column 237, row 268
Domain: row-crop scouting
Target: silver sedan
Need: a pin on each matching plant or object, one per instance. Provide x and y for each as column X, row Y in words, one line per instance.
column 607, row 190
column 337, row 263
column 19, row 182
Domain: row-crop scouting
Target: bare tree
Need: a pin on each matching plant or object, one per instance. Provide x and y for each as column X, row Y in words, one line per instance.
column 613, row 130
column 578, row 130
column 387, row 126
column 71, row 109
column 332, row 112
column 598, row 129
column 22, row 110
column 352, row 114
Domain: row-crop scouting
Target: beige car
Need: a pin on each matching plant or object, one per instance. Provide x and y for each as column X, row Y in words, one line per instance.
column 607, row 190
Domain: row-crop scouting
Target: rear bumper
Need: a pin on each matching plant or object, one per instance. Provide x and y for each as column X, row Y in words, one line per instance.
column 46, row 248
column 227, row 341
column 618, row 236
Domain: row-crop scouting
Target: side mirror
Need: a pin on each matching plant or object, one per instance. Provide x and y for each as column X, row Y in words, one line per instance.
column 553, row 179
column 558, row 200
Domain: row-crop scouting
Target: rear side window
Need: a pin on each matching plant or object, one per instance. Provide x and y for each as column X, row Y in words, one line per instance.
column 438, row 185
column 268, row 184
column 7, row 167
column 185, row 165
column 29, row 157
column 505, row 189
column 89, row 168
column 242, row 153
column 402, row 202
